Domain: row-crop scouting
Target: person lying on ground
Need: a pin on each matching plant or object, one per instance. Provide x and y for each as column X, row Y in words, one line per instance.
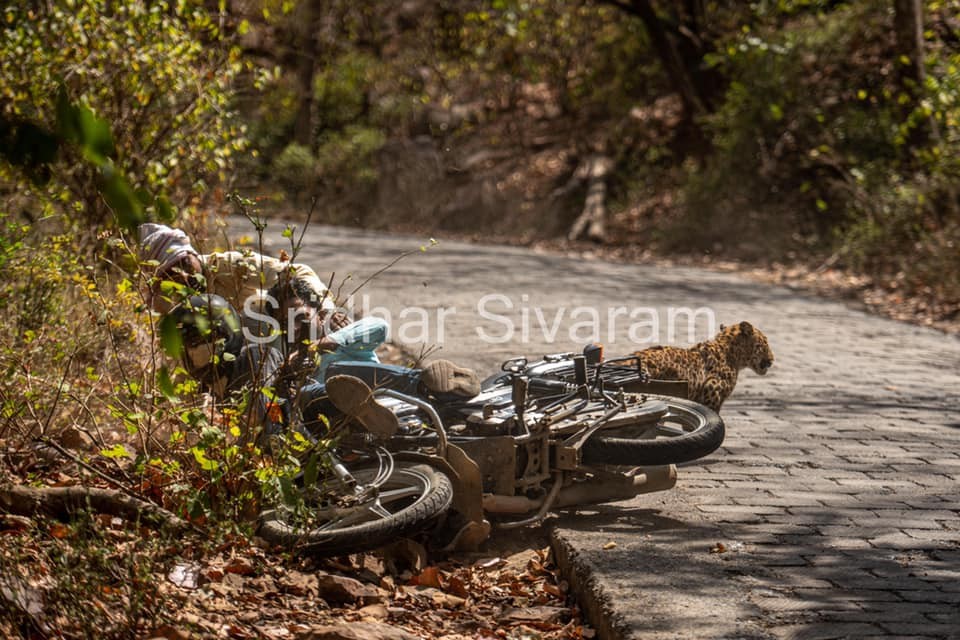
column 215, row 352
column 240, row 372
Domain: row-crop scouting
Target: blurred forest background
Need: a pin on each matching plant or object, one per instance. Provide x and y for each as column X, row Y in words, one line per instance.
column 817, row 136
column 811, row 131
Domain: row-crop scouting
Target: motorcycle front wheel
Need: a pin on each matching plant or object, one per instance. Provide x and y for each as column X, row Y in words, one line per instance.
column 411, row 499
column 688, row 431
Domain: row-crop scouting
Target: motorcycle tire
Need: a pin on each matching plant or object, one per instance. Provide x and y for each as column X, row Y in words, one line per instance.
column 687, row 432
column 412, row 499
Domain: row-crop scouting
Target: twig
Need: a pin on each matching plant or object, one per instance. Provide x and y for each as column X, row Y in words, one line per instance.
column 65, row 453
column 313, row 207
column 385, row 268
column 56, row 398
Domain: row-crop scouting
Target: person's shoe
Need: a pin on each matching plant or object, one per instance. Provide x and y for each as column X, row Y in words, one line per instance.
column 442, row 376
column 355, row 399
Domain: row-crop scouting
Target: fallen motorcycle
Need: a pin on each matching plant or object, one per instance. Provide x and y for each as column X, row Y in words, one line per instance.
column 556, row 433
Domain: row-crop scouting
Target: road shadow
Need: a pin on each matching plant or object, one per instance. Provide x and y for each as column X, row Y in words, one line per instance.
column 807, row 572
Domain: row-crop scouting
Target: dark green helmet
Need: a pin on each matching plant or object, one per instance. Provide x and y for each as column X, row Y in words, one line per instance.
column 211, row 335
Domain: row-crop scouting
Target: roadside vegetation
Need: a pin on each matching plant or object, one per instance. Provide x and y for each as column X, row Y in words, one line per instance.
column 812, row 134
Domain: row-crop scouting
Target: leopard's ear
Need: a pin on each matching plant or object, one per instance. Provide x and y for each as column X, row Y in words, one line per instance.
column 746, row 328
column 723, row 327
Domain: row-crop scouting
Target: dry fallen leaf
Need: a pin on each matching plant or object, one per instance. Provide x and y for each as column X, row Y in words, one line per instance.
column 10, row 523
column 429, row 577
column 447, row 601
column 169, row 633
column 610, row 545
column 374, row 611
column 240, row 566
column 456, row 586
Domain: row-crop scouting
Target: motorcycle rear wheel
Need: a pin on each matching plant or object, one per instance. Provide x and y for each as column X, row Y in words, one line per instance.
column 687, row 432
column 413, row 498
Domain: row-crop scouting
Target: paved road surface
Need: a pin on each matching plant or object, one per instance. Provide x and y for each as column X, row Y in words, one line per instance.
column 836, row 494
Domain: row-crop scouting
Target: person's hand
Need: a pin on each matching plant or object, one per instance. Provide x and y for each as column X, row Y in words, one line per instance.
column 298, row 365
column 327, row 345
column 335, row 320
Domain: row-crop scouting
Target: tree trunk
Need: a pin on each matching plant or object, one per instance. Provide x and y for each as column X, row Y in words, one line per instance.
column 908, row 29
column 908, row 24
column 670, row 58
column 693, row 44
column 307, row 22
column 680, row 48
column 63, row 502
column 592, row 222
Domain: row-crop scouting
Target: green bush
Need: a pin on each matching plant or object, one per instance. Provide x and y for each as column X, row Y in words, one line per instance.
column 342, row 88
column 295, row 168
column 155, row 71
column 347, row 158
column 794, row 121
column 816, row 146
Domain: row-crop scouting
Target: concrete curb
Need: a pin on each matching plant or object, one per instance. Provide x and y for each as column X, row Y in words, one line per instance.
column 595, row 603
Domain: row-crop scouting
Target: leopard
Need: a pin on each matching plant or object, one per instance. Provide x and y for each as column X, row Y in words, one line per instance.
column 710, row 367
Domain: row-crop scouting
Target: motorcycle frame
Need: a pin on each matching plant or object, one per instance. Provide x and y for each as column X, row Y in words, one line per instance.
column 494, row 461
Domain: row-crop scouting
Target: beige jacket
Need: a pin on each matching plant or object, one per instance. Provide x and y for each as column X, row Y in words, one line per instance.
column 237, row 275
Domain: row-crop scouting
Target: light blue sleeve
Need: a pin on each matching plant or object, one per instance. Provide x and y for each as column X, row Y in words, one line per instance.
column 358, row 342
column 365, row 334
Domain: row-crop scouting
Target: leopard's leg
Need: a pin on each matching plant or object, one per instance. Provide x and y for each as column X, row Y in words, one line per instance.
column 712, row 393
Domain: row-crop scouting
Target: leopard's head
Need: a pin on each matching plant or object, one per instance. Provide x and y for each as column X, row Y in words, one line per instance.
column 749, row 345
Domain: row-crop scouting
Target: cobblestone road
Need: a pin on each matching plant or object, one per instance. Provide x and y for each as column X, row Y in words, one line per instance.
column 836, row 493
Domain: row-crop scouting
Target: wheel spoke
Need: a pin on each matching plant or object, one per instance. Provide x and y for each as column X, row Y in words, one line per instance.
column 371, row 509
column 399, row 493
column 378, row 509
column 670, row 430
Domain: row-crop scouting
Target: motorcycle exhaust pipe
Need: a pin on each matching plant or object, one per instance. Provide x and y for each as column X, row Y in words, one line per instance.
column 619, row 487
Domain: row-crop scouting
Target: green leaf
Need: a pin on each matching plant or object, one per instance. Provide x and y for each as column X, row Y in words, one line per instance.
column 165, row 212
column 123, row 201
column 196, row 507
column 205, row 463
column 170, row 338
column 96, row 141
column 170, row 288
column 310, row 471
column 118, row 451
column 165, row 384
column 288, row 494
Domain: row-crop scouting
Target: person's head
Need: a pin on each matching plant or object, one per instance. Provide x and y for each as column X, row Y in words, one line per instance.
column 297, row 309
column 166, row 255
column 210, row 337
